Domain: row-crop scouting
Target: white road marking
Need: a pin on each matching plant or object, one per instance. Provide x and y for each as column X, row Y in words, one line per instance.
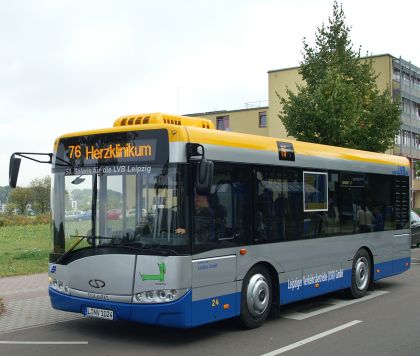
column 337, row 305
column 44, row 342
column 312, row 338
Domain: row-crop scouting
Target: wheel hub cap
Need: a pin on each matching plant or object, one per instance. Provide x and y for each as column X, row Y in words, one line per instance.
column 362, row 273
column 258, row 293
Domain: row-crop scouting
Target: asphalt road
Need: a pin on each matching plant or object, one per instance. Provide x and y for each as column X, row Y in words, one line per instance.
column 387, row 322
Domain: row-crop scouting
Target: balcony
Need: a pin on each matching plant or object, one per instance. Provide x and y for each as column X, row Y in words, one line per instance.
column 407, row 151
column 412, row 90
column 411, row 120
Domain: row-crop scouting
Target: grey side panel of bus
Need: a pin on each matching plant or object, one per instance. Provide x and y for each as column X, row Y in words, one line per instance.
column 401, row 246
column 213, row 276
column 324, row 264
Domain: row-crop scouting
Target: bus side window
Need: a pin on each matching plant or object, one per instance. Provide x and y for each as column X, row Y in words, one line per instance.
column 229, row 203
column 278, row 205
column 223, row 211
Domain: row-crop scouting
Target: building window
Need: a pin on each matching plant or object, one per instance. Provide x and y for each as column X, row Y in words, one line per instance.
column 223, row 123
column 262, row 119
column 406, row 138
column 397, row 74
column 406, row 77
column 406, row 106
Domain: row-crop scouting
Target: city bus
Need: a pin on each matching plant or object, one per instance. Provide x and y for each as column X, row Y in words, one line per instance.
column 185, row 225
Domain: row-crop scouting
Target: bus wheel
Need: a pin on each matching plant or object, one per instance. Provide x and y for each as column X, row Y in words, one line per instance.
column 256, row 297
column 361, row 274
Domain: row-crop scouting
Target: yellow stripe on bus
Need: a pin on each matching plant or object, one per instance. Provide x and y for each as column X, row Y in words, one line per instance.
column 261, row 143
column 232, row 139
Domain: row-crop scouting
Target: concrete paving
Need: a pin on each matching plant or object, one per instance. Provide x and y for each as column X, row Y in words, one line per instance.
column 27, row 304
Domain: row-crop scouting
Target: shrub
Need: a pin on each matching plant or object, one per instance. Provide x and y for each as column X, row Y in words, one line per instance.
column 20, row 220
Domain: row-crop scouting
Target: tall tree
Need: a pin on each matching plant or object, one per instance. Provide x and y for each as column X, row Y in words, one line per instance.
column 340, row 103
column 40, row 194
column 19, row 198
column 37, row 195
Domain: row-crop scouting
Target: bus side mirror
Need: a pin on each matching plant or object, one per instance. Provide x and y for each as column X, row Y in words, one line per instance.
column 14, row 166
column 204, row 177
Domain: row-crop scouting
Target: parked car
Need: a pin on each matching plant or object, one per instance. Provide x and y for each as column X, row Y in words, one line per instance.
column 87, row 215
column 114, row 214
column 73, row 215
column 77, row 215
column 415, row 228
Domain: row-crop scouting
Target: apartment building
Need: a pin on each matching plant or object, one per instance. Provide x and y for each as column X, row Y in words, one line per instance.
column 399, row 76
column 251, row 120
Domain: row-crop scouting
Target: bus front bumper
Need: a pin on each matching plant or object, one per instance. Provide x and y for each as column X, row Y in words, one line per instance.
column 174, row 314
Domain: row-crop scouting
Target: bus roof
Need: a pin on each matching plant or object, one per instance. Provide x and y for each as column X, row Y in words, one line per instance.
column 199, row 130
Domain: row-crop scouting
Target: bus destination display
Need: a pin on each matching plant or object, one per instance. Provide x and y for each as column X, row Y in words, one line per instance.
column 113, row 149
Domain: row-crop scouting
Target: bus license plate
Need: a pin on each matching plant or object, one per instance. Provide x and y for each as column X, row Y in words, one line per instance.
column 99, row 313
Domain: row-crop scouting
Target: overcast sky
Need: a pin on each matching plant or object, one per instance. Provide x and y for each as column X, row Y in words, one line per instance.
column 74, row 65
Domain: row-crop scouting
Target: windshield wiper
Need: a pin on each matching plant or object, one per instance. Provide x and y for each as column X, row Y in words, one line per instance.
column 72, row 247
column 89, row 239
column 164, row 251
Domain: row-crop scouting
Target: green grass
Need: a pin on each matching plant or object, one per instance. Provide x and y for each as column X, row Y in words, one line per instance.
column 24, row 249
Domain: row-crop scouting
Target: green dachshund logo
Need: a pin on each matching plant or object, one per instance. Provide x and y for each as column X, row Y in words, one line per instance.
column 155, row 277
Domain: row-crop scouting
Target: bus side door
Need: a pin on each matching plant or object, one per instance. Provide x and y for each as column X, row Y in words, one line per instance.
column 214, row 264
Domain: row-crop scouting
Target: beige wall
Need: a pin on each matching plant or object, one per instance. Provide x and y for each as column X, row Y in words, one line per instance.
column 244, row 121
column 278, row 83
column 416, row 198
column 383, row 68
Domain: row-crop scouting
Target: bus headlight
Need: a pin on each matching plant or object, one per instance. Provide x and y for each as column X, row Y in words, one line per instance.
column 159, row 296
column 59, row 286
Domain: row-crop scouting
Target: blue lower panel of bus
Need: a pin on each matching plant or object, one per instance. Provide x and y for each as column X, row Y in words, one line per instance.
column 318, row 284
column 182, row 313
column 209, row 310
column 386, row 269
column 314, row 285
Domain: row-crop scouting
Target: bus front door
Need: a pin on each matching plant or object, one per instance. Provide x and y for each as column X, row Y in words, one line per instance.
column 214, row 289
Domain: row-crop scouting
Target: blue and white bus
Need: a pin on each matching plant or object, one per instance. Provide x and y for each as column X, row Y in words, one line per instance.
column 185, row 225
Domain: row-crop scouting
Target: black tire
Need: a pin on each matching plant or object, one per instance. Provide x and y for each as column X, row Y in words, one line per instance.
column 361, row 274
column 256, row 297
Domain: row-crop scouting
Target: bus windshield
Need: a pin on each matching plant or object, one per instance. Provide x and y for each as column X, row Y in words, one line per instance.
column 120, row 211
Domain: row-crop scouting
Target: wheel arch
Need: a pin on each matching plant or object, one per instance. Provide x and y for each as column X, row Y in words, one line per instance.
column 368, row 247
column 369, row 251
